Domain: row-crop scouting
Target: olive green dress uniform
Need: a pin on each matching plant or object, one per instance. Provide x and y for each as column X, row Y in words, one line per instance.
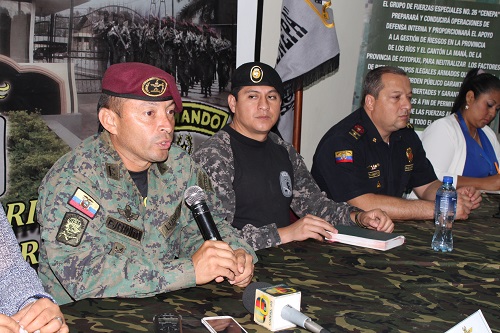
column 99, row 237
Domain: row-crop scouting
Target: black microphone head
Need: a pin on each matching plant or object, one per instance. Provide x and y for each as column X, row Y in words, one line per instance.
column 194, row 194
column 249, row 294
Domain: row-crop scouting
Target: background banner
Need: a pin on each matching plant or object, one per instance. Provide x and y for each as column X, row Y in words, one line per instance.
column 436, row 43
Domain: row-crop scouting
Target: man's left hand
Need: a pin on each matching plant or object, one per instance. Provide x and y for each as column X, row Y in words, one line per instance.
column 245, row 268
column 376, row 219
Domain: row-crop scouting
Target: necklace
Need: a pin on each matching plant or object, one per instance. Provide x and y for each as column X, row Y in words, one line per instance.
column 474, row 136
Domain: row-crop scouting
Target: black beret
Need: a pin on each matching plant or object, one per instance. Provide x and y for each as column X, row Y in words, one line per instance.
column 257, row 74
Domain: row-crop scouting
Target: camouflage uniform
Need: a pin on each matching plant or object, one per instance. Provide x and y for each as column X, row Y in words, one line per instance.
column 120, row 247
column 216, row 157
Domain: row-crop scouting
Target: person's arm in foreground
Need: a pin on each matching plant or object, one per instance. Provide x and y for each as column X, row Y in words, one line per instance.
column 21, row 293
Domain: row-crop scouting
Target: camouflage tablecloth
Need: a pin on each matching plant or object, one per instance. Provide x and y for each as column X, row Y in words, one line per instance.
column 410, row 288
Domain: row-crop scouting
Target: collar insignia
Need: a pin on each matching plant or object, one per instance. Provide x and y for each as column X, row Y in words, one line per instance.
column 113, row 171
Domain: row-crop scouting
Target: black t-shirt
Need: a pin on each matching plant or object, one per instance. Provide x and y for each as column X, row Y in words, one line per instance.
column 141, row 181
column 263, row 181
column 352, row 160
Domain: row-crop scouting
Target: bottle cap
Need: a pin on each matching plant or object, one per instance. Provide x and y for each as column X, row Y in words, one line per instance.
column 448, row 180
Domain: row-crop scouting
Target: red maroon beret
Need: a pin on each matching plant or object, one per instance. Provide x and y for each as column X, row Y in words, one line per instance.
column 136, row 80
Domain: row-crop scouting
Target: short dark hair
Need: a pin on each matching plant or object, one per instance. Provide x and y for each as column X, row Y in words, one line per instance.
column 477, row 81
column 234, row 91
column 109, row 102
column 372, row 85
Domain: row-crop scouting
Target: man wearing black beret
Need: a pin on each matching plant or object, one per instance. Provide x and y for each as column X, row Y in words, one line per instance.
column 259, row 177
column 112, row 212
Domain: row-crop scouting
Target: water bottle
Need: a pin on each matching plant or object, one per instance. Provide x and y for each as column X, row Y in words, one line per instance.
column 444, row 215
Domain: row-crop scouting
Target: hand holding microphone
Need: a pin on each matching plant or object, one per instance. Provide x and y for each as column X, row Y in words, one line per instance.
column 275, row 307
column 215, row 260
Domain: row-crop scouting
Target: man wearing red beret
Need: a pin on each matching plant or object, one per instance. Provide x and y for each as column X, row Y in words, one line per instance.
column 112, row 215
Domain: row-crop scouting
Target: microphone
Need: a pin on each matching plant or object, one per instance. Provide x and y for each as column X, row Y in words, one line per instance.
column 195, row 199
column 266, row 301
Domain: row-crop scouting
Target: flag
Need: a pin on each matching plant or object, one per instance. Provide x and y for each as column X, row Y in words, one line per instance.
column 308, row 51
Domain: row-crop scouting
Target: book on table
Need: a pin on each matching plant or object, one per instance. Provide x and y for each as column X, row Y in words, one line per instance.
column 372, row 239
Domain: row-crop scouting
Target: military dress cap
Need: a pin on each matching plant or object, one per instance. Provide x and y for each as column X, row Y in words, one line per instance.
column 136, row 80
column 257, row 74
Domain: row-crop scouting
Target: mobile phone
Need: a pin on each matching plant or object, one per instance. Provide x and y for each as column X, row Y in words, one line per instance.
column 167, row 323
column 226, row 324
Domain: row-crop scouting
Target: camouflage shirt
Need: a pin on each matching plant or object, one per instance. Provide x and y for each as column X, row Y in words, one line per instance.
column 99, row 239
column 216, row 157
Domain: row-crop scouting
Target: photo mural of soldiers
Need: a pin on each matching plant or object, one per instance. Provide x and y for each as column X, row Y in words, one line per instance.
column 119, row 41
column 100, row 31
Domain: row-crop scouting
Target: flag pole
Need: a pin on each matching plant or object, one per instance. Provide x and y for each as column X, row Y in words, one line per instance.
column 297, row 115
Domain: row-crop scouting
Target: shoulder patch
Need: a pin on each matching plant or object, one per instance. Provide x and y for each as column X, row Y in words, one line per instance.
column 357, row 131
column 72, row 229
column 286, row 184
column 344, row 156
column 84, row 203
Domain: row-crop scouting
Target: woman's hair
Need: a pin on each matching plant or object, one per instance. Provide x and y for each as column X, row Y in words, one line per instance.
column 372, row 85
column 479, row 83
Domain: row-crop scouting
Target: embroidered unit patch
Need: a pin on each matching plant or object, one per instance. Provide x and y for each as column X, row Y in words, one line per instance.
column 286, row 184
column 72, row 229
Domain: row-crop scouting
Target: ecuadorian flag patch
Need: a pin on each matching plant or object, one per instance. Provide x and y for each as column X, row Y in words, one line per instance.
column 343, row 156
column 84, row 203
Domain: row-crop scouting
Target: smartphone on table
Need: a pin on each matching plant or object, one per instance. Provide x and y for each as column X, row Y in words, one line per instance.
column 226, row 324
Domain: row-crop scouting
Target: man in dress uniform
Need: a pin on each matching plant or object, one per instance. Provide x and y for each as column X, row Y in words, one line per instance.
column 374, row 158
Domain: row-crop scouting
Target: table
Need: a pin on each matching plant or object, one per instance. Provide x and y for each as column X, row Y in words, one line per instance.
column 410, row 288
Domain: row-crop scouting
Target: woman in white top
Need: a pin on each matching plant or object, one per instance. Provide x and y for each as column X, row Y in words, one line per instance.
column 461, row 144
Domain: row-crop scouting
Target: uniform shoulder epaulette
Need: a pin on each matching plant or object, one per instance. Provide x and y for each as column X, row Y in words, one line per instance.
column 409, row 125
column 357, row 131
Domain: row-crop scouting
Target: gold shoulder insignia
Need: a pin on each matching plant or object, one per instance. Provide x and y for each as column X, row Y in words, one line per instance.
column 409, row 125
column 357, row 131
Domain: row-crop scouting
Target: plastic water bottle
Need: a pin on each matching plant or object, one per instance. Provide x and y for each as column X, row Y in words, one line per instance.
column 444, row 215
